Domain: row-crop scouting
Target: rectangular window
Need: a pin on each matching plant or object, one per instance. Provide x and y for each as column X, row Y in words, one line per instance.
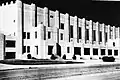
column 86, row 51
column 109, row 52
column 106, row 37
column 100, row 36
column 61, row 36
column 24, row 35
column 36, row 34
column 116, row 52
column 24, row 49
column 28, row 49
column 28, row 35
column 94, row 35
column 102, row 51
column 36, row 49
column 80, row 34
column 62, row 26
column 71, row 31
column 68, row 49
column 95, row 51
column 87, row 34
column 77, row 51
column 9, row 43
column 49, row 35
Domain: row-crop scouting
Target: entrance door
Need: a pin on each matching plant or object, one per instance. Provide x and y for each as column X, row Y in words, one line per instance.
column 10, row 55
column 50, row 49
column 36, row 50
column 58, row 49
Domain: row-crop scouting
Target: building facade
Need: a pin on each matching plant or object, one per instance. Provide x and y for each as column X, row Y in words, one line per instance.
column 28, row 29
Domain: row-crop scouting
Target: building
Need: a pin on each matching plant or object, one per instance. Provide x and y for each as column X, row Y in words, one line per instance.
column 28, row 29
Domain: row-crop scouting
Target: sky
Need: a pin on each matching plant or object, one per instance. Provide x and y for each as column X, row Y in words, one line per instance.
column 107, row 12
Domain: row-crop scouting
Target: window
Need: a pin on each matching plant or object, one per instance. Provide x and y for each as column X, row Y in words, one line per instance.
column 68, row 49
column 95, row 51
column 35, row 16
column 28, row 35
column 94, row 35
column 106, row 37
column 24, row 49
column 109, row 52
column 24, row 35
column 49, row 35
column 61, row 36
column 35, row 34
column 100, row 36
column 28, row 49
column 10, row 43
column 102, row 51
column 80, row 33
column 113, row 43
column 51, row 16
column 116, row 52
column 62, row 26
column 87, row 34
column 77, row 51
column 86, row 51
column 71, row 31
column 36, row 49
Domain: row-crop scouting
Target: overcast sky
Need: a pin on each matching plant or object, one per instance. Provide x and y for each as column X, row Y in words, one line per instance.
column 107, row 12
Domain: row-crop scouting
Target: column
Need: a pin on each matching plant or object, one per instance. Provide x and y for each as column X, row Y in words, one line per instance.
column 108, row 37
column 75, row 29
column 97, row 38
column 45, row 26
column 19, row 32
column 83, row 30
column 90, row 37
column 83, row 36
column 103, row 34
column 119, row 42
column 56, row 26
column 66, row 28
column 97, row 33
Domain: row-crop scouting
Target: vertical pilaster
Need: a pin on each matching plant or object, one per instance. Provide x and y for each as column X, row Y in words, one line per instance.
column 66, row 27
column 97, row 33
column 83, row 36
column 113, row 32
column 75, row 29
column 90, row 37
column 83, row 30
column 119, row 42
column 20, row 27
column 45, row 26
column 108, row 37
column 103, row 34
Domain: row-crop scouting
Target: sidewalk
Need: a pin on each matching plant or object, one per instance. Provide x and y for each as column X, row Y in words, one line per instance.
column 87, row 63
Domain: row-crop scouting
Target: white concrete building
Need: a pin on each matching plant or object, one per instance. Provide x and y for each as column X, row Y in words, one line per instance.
column 28, row 29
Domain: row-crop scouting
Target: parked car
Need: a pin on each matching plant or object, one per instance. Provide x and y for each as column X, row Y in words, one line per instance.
column 108, row 58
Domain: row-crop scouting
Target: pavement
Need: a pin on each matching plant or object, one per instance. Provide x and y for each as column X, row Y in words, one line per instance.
column 58, row 71
column 87, row 63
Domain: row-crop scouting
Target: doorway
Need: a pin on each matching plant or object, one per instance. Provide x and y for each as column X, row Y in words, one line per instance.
column 58, row 49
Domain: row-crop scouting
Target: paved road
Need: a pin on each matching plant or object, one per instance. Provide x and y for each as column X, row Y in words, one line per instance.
column 98, row 76
column 55, row 72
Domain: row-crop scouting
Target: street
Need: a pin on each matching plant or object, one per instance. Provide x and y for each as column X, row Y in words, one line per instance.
column 64, row 73
column 99, row 76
